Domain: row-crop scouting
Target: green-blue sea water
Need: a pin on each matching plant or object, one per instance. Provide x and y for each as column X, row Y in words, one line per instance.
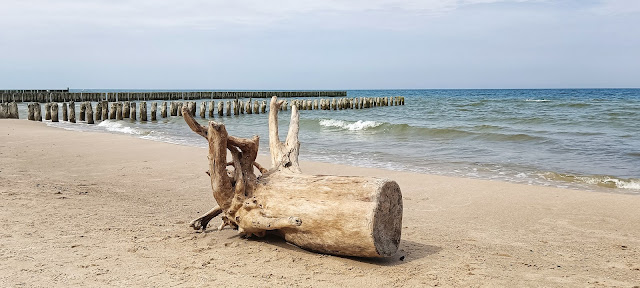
column 575, row 138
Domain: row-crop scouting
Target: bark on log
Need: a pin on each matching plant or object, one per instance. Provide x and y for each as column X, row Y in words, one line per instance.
column 351, row 216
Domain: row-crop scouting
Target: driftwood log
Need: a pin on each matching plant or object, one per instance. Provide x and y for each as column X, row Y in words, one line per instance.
column 350, row 216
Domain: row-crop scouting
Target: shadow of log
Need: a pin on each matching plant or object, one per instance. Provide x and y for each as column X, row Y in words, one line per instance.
column 408, row 251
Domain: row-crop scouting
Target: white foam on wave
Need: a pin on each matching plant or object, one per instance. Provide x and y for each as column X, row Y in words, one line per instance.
column 537, row 100
column 118, row 127
column 353, row 126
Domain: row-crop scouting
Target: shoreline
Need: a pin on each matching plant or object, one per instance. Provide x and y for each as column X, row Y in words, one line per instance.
column 97, row 209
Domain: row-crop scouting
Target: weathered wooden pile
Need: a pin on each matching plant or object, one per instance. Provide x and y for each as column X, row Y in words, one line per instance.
column 45, row 96
column 105, row 110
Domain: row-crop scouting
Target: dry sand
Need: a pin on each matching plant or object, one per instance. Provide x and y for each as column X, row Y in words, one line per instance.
column 95, row 209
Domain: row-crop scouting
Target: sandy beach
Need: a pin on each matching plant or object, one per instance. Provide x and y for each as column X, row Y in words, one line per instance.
column 82, row 209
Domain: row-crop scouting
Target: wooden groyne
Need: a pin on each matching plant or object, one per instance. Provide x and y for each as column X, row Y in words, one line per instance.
column 46, row 96
column 132, row 110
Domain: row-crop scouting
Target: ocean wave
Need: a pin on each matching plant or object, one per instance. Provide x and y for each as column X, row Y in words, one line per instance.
column 113, row 126
column 351, row 126
column 599, row 180
column 537, row 100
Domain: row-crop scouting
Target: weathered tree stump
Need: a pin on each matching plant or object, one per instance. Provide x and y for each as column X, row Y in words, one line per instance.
column 72, row 112
column 351, row 216
column 54, row 112
column 65, row 113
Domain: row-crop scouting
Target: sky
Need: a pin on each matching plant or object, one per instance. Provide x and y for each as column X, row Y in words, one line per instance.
column 319, row 44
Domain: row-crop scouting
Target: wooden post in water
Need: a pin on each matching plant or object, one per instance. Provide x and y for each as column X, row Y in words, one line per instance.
column 105, row 110
column 72, row 112
column 31, row 111
column 203, row 109
column 65, row 113
column 236, row 107
column 179, row 107
column 54, row 112
column 47, row 111
column 248, row 107
column 119, row 113
column 174, row 108
column 143, row 111
column 220, row 108
column 112, row 112
column 126, row 110
column 256, row 107
column 98, row 111
column 192, row 107
column 82, row 111
column 228, row 105
column 89, row 112
column 263, row 107
column 132, row 111
column 211, row 108
column 154, row 111
column 163, row 110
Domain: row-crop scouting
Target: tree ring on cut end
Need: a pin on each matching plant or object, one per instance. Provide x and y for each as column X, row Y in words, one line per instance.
column 387, row 219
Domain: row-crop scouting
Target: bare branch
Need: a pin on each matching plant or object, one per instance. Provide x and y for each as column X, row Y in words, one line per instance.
column 199, row 129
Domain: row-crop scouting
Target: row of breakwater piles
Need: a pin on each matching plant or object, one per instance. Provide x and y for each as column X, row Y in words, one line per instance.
column 90, row 112
column 46, row 96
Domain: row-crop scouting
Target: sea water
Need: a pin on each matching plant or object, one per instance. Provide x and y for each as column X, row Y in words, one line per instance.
column 572, row 138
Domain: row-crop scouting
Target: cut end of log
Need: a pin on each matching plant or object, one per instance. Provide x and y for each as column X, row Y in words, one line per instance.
column 387, row 219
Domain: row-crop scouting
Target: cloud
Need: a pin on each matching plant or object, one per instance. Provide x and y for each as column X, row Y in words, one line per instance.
column 203, row 14
column 617, row 7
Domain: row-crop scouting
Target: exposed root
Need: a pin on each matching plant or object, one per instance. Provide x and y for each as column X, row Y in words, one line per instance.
column 201, row 222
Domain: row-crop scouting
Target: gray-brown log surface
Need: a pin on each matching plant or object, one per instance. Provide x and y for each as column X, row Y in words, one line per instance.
column 340, row 215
